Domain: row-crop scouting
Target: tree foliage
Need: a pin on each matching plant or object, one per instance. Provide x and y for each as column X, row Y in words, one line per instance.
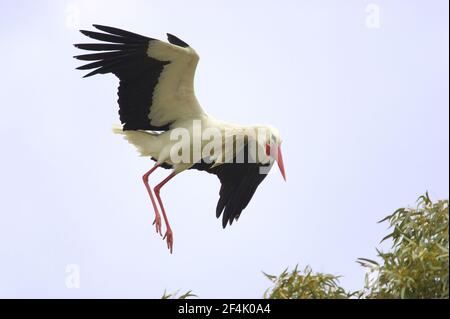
column 305, row 285
column 416, row 266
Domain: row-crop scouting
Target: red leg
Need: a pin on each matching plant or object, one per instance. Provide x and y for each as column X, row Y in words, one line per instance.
column 169, row 234
column 157, row 221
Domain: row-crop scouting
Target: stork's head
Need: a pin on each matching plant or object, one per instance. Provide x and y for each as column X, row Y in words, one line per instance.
column 272, row 144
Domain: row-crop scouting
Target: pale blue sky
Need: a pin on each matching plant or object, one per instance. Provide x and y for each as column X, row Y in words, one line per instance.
column 364, row 114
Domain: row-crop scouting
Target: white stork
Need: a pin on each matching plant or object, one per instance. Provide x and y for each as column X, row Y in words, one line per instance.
column 156, row 98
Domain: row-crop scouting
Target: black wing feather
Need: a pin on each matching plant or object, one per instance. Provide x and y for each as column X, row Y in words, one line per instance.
column 239, row 183
column 121, row 32
column 108, row 46
column 103, row 56
column 177, row 41
column 126, row 56
column 109, row 37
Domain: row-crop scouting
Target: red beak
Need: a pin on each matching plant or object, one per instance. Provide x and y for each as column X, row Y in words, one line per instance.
column 280, row 163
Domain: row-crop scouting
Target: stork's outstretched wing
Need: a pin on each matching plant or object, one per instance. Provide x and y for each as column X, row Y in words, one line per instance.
column 239, row 183
column 156, row 78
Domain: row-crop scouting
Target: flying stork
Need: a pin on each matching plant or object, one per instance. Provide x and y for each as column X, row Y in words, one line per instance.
column 156, row 98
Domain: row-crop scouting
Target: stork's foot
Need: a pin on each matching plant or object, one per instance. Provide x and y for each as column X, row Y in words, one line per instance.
column 158, row 224
column 169, row 238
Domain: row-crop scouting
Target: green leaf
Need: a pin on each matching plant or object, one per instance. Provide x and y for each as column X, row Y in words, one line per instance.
column 387, row 237
column 270, row 277
column 369, row 261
